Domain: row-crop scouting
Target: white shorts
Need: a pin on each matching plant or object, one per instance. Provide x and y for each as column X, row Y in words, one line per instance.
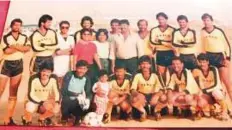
column 61, row 65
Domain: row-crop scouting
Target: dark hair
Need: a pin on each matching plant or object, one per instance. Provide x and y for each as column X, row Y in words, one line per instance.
column 203, row 56
column 44, row 18
column 177, row 58
column 17, row 20
column 102, row 73
column 144, row 58
column 161, row 14
column 124, row 21
column 141, row 21
column 100, row 31
column 47, row 65
column 87, row 18
column 114, row 21
column 81, row 63
column 206, row 15
column 182, row 17
column 119, row 66
column 64, row 22
column 85, row 30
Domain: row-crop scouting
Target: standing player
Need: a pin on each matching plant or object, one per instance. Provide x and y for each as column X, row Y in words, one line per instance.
column 62, row 62
column 217, row 47
column 14, row 45
column 44, row 43
column 86, row 23
column 161, row 38
column 185, row 39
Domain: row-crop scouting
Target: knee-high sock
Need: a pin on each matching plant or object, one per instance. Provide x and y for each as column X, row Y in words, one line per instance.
column 109, row 109
column 27, row 116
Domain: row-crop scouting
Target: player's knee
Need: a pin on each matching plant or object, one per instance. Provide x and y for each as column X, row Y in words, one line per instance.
column 188, row 98
column 31, row 107
column 218, row 95
column 124, row 106
column 163, row 98
column 202, row 102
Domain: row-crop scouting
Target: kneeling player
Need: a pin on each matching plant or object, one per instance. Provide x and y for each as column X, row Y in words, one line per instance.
column 210, row 84
column 183, row 88
column 43, row 96
column 119, row 93
column 144, row 85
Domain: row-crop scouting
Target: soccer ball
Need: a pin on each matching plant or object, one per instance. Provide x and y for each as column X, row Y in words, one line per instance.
column 91, row 119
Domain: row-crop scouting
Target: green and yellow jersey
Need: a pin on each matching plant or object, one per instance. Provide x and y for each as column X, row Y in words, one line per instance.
column 216, row 42
column 162, row 40
column 9, row 40
column 37, row 92
column 44, row 45
column 185, row 42
column 208, row 82
column 144, row 86
column 120, row 89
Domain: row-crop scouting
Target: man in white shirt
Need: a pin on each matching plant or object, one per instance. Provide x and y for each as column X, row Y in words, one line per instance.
column 126, row 48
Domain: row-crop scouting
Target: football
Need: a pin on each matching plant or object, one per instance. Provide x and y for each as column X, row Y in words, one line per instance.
column 91, row 119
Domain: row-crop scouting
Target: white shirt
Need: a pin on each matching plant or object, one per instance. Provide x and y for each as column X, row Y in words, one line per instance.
column 130, row 47
column 103, row 49
column 62, row 62
column 104, row 86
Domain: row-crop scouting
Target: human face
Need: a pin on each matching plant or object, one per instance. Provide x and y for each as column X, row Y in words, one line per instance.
column 115, row 27
column 145, row 66
column 103, row 78
column 86, row 24
column 183, row 23
column 142, row 26
column 208, row 22
column 16, row 27
column 119, row 73
column 81, row 71
column 102, row 37
column 64, row 28
column 45, row 74
column 177, row 65
column 47, row 24
column 124, row 28
column 204, row 64
column 162, row 21
column 86, row 36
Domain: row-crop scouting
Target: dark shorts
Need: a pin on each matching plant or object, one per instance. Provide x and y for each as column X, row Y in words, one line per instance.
column 131, row 64
column 216, row 59
column 148, row 97
column 39, row 60
column 12, row 68
column 164, row 58
column 190, row 61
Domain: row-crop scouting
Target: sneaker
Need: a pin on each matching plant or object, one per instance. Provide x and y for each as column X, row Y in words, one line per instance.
column 11, row 122
column 25, row 123
column 106, row 118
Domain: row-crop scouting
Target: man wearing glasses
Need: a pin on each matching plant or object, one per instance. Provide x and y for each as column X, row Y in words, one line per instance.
column 62, row 62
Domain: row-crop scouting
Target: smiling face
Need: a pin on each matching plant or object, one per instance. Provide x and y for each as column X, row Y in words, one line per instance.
column 124, row 28
column 177, row 66
column 86, row 24
column 115, row 27
column 120, row 73
column 142, row 25
column 204, row 64
column 47, row 24
column 162, row 21
column 145, row 66
column 86, row 36
column 103, row 78
column 102, row 37
column 45, row 74
column 183, row 23
column 207, row 22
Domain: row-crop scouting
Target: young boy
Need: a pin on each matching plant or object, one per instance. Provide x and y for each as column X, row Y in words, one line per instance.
column 43, row 96
column 101, row 100
column 76, row 93
column 119, row 93
column 144, row 86
column 208, row 79
column 183, row 88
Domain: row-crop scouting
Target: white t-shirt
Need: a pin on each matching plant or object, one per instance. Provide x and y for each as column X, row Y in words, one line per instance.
column 104, row 86
column 62, row 62
column 103, row 49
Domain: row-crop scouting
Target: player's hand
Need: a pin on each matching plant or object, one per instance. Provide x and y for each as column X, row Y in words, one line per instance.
column 159, row 41
column 81, row 99
column 226, row 63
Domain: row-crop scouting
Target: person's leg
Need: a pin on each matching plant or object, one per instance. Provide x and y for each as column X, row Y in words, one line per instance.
column 225, row 78
column 3, row 81
column 65, row 109
column 30, row 108
column 14, row 84
column 139, row 103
